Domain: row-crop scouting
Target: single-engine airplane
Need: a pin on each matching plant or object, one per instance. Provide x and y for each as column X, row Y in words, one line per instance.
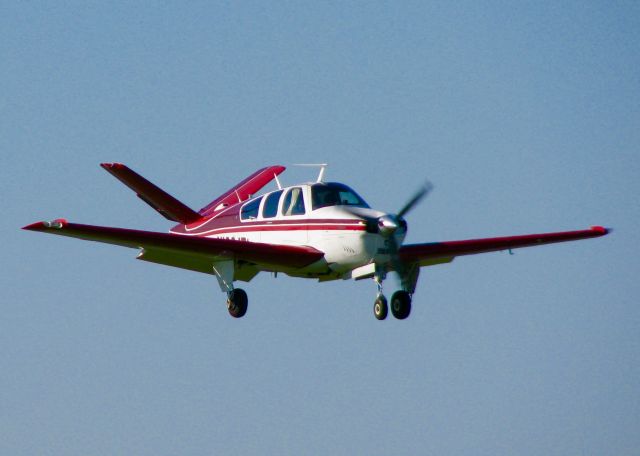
column 319, row 230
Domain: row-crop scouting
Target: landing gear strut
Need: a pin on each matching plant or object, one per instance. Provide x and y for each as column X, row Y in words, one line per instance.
column 380, row 308
column 237, row 302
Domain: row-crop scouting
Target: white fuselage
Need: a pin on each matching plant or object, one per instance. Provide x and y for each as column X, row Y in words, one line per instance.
column 338, row 231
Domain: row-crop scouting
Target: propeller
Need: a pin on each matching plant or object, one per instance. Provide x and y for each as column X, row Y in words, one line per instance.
column 398, row 218
column 388, row 224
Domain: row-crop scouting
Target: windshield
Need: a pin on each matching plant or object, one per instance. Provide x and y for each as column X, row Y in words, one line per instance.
column 334, row 194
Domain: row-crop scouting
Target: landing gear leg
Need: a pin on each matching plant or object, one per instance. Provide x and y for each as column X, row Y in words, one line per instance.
column 236, row 298
column 380, row 308
column 237, row 302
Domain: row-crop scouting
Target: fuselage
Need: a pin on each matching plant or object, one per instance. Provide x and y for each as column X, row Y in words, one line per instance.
column 329, row 217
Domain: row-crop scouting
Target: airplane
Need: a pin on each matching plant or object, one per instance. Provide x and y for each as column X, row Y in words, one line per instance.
column 317, row 230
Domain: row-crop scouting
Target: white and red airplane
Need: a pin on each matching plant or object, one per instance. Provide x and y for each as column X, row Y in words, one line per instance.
column 320, row 230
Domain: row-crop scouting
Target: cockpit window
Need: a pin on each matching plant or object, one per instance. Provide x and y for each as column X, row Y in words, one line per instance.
column 334, row 194
column 293, row 203
column 250, row 210
column 270, row 208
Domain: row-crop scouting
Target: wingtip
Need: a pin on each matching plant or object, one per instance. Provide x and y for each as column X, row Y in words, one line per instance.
column 601, row 230
column 42, row 226
column 37, row 226
column 114, row 165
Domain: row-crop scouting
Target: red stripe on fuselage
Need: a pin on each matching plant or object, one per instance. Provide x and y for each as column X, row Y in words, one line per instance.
column 283, row 225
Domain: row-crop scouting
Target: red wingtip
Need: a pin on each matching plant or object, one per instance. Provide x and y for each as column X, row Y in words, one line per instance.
column 601, row 230
column 112, row 165
column 41, row 226
column 38, row 226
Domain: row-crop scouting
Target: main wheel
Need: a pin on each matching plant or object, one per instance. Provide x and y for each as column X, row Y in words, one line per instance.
column 380, row 308
column 401, row 304
column 237, row 302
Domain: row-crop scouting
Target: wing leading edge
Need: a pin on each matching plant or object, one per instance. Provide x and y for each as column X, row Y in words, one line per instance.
column 428, row 253
column 194, row 248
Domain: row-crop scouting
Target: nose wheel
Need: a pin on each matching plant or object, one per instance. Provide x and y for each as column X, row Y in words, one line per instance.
column 400, row 301
column 401, row 304
column 380, row 308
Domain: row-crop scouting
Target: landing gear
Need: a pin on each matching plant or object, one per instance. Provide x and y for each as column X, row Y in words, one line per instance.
column 401, row 304
column 380, row 308
column 400, row 301
column 237, row 302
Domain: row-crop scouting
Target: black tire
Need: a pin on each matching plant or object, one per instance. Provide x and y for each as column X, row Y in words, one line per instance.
column 401, row 304
column 380, row 308
column 237, row 303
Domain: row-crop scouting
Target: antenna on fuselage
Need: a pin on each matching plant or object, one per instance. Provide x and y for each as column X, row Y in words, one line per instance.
column 322, row 166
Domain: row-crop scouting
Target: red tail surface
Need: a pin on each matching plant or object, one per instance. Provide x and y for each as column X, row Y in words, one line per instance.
column 172, row 209
column 243, row 190
column 154, row 196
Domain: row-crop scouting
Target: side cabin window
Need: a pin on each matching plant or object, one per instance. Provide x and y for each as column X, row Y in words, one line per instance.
column 270, row 208
column 293, row 203
column 334, row 194
column 250, row 210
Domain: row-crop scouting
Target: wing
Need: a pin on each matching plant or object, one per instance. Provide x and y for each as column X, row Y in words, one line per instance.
column 195, row 253
column 440, row 252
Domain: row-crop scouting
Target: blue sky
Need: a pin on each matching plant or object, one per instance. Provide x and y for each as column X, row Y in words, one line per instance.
column 524, row 116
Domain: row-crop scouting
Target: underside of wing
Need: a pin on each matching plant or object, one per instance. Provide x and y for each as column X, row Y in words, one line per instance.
column 429, row 253
column 194, row 253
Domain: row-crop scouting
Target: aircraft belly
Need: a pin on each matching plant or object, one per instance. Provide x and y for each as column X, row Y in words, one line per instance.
column 316, row 270
column 344, row 250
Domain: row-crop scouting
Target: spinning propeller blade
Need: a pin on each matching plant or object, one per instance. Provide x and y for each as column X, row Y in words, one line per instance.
column 417, row 197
